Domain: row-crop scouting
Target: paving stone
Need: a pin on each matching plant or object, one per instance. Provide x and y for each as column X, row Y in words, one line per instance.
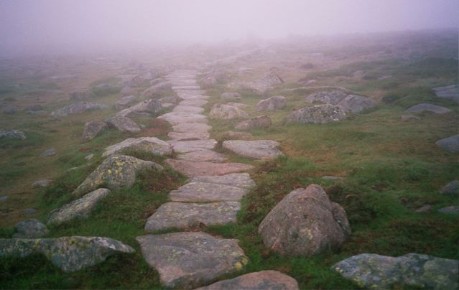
column 203, row 155
column 187, row 136
column 191, row 127
column 193, row 102
column 188, row 109
column 187, row 215
column 191, row 259
column 207, row 192
column 175, row 118
column 193, row 145
column 195, row 168
column 241, row 180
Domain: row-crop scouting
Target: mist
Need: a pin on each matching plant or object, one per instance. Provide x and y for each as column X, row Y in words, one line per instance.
column 68, row 26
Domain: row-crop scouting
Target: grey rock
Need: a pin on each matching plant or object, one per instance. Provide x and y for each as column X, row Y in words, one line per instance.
column 450, row 144
column 3, row 198
column 232, row 135
column 202, row 155
column 452, row 188
column 241, row 180
column 92, row 129
column 188, row 109
column 123, row 124
column 374, row 271
column 142, row 144
column 69, row 254
column 191, row 259
column 151, row 107
column 188, row 136
column 408, row 117
column 42, row 183
column 452, row 209
column 263, row 280
column 194, row 127
column 199, row 168
column 230, row 96
column 77, row 108
column 348, row 101
column 305, row 223
column 449, row 92
column 124, row 102
column 115, row 172
column 89, row 157
column 425, row 107
column 193, row 145
column 271, row 104
column 180, row 215
column 48, row 152
column 331, row 96
column 356, row 104
column 207, row 192
column 317, row 114
column 177, row 118
column 78, row 209
column 258, row 149
column 12, row 134
column 259, row 122
column 424, row 208
column 30, row 229
column 228, row 111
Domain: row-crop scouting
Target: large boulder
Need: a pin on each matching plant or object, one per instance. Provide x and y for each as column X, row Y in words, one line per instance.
column 123, row 124
column 150, row 107
column 69, row 254
column 317, row 114
column 349, row 102
column 77, row 108
column 12, row 134
column 271, row 104
column 450, row 144
column 263, row 280
column 78, row 209
column 374, row 271
column 30, row 229
column 259, row 122
column 142, row 144
column 305, row 223
column 228, row 111
column 115, row 172
column 92, row 129
column 426, row 107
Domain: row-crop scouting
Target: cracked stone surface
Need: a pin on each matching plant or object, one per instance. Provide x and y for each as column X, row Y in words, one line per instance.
column 241, row 180
column 193, row 145
column 203, row 155
column 207, row 192
column 194, row 168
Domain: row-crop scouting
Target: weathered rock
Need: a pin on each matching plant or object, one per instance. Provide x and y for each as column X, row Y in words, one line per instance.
column 78, row 209
column 425, row 107
column 355, row 103
column 450, row 144
column 92, row 129
column 227, row 111
column 202, row 155
column 193, row 145
column 142, row 144
column 150, row 107
column 77, row 108
column 187, row 215
column 259, row 122
column 373, row 271
column 305, row 223
column 123, row 124
column 266, row 280
column 241, row 180
column 12, row 134
column 48, row 152
column 30, row 229
column 42, row 183
column 452, row 209
column 188, row 136
column 331, row 96
column 176, row 118
column 115, row 172
column 452, row 188
column 195, row 168
column 124, row 102
column 191, row 259
column 70, row 254
column 271, row 104
column 347, row 101
column 449, row 92
column 317, row 114
column 230, row 96
column 196, row 191
column 258, row 149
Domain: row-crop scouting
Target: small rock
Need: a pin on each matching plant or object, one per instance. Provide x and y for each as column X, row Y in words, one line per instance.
column 150, row 107
column 271, row 104
column 3, row 198
column 258, row 149
column 124, row 102
column 77, row 108
column 124, row 124
column 79, row 95
column 451, row 188
column 305, row 223
column 92, row 129
column 374, row 271
column 263, row 280
column 227, row 111
column 317, row 114
column 48, row 152
column 450, row 144
column 12, row 134
column 449, row 210
column 89, row 157
column 424, row 209
column 42, row 183
column 425, row 107
column 259, row 122
column 30, row 229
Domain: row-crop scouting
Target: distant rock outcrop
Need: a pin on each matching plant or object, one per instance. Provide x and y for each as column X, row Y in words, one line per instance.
column 372, row 271
column 77, row 108
column 305, row 223
column 69, row 254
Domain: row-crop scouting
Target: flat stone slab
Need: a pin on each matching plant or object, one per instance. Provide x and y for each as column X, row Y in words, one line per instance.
column 183, row 136
column 449, row 92
column 175, row 118
column 180, row 215
column 193, row 102
column 191, row 259
column 450, row 144
column 186, row 87
column 191, row 127
column 184, row 94
column 144, row 144
column 266, row 280
column 425, row 107
column 193, row 145
column 188, row 109
column 258, row 149
column 241, row 180
column 194, row 168
column 203, row 155
column 207, row 192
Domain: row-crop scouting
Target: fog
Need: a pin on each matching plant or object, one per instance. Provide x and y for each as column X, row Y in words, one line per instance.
column 61, row 26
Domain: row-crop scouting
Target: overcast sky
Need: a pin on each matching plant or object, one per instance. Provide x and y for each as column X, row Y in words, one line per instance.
column 60, row 25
